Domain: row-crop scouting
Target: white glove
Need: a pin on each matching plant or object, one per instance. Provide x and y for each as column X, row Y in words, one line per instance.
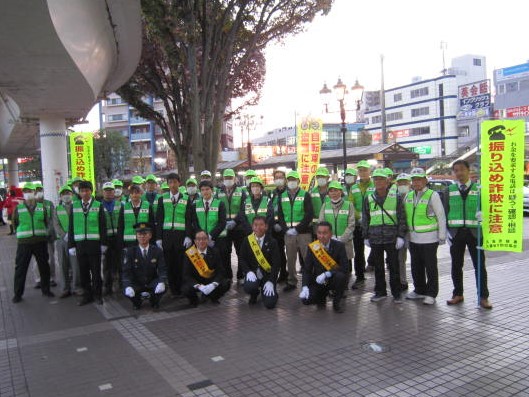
column 304, row 294
column 335, row 238
column 202, row 288
column 188, row 242
column 322, row 277
column 104, row 249
column 230, row 224
column 479, row 216
column 160, row 288
column 208, row 289
column 442, row 242
column 268, row 289
column 277, row 228
column 129, row 292
column 159, row 244
column 292, row 231
column 251, row 277
column 211, row 243
column 366, row 243
column 72, row 251
column 400, row 243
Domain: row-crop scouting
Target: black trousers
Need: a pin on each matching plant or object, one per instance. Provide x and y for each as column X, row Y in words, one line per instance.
column 235, row 237
column 318, row 292
column 463, row 239
column 359, row 248
column 90, row 272
column 424, row 268
column 112, row 264
column 280, row 238
column 153, row 298
column 22, row 259
column 377, row 257
column 173, row 252
column 223, row 246
column 254, row 287
column 192, row 294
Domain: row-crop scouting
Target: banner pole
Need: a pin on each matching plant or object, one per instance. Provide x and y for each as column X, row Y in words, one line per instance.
column 479, row 245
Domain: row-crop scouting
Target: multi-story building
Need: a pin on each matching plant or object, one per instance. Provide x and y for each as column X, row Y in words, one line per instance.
column 512, row 92
column 423, row 115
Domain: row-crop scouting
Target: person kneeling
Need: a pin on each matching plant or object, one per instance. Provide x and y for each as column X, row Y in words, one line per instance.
column 259, row 259
column 204, row 272
column 144, row 270
column 325, row 269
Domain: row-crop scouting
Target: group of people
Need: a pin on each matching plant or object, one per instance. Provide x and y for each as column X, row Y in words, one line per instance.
column 180, row 236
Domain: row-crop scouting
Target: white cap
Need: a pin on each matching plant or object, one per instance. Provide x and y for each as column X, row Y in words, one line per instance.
column 403, row 176
column 108, row 185
column 418, row 172
column 205, row 172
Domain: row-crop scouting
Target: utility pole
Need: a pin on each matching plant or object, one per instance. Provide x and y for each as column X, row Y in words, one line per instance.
column 383, row 102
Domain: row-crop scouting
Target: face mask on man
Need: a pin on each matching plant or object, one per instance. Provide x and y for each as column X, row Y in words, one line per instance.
column 191, row 190
column 29, row 196
column 336, row 201
column 39, row 195
column 403, row 189
column 256, row 190
column 118, row 192
column 279, row 182
column 229, row 182
column 67, row 198
column 321, row 181
column 292, row 185
column 349, row 179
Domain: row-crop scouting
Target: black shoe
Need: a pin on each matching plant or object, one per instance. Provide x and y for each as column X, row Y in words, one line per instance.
column 37, row 285
column 404, row 287
column 359, row 282
column 85, row 301
column 65, row 294
column 289, row 287
column 99, row 301
column 16, row 299
column 253, row 299
column 53, row 283
column 48, row 294
column 155, row 305
column 321, row 304
column 337, row 308
column 369, row 269
column 215, row 301
column 136, row 307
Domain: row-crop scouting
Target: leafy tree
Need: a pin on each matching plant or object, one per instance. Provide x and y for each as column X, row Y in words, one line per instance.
column 111, row 154
column 198, row 55
column 364, row 138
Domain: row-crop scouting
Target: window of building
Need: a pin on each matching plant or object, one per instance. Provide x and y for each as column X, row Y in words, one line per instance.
column 376, row 119
column 114, row 101
column 419, row 131
column 476, row 62
column 397, row 97
column 511, row 87
column 501, row 89
column 394, row 116
column 116, row 117
column 463, row 131
column 524, row 85
column 420, row 112
column 419, row 92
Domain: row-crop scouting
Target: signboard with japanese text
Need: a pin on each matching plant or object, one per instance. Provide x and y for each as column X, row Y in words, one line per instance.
column 309, row 132
column 82, row 156
column 421, row 149
column 512, row 72
column 516, row 112
column 472, row 97
column 502, row 177
column 392, row 135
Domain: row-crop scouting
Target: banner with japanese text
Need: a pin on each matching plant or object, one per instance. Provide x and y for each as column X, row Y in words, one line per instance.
column 309, row 149
column 502, row 177
column 82, row 156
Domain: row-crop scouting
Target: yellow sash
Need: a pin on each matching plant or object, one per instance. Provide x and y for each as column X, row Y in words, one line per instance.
column 258, row 253
column 198, row 261
column 322, row 255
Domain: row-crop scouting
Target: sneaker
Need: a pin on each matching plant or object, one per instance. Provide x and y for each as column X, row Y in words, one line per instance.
column 398, row 300
column 378, row 298
column 485, row 304
column 414, row 296
column 428, row 300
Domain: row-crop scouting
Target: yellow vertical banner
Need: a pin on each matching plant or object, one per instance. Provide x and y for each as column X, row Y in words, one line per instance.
column 82, row 156
column 502, row 177
column 309, row 132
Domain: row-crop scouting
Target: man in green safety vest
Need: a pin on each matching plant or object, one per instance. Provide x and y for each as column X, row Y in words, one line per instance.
column 280, row 183
column 112, row 260
column 319, row 192
column 257, row 204
column 174, row 231
column 151, row 194
column 384, row 228
column 295, row 214
column 464, row 219
column 403, row 183
column 87, row 239
column 192, row 189
column 118, row 189
column 248, row 175
column 349, row 181
column 132, row 212
column 233, row 198
column 30, row 219
column 426, row 221
column 68, row 264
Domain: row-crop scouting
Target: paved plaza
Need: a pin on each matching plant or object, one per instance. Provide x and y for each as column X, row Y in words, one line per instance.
column 51, row 347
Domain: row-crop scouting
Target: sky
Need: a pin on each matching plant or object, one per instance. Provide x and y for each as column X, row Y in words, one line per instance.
column 348, row 42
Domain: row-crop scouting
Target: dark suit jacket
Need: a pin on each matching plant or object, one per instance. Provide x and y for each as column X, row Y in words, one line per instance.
column 141, row 272
column 314, row 268
column 213, row 259
column 270, row 249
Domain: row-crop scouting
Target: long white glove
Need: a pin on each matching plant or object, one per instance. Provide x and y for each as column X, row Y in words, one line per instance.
column 268, row 289
column 230, row 225
column 159, row 244
column 72, row 251
column 322, row 277
column 211, row 243
column 251, row 277
column 366, row 243
column 129, row 292
column 277, row 228
column 188, row 242
column 208, row 289
column 160, row 288
column 292, row 231
column 104, row 249
column 479, row 216
column 304, row 294
column 400, row 243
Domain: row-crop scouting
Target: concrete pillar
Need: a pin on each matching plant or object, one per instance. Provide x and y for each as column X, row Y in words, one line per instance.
column 53, row 156
column 12, row 171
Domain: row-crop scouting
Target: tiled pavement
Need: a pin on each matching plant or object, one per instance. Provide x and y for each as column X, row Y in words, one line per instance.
column 54, row 348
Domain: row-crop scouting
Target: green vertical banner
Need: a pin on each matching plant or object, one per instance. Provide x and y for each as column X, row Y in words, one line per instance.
column 82, row 156
column 502, row 177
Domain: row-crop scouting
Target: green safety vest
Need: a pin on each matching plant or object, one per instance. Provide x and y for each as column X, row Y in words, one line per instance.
column 64, row 217
column 386, row 215
column 112, row 219
column 317, row 203
column 86, row 226
column 358, row 196
column 339, row 221
column 31, row 224
column 174, row 216
column 417, row 215
column 293, row 212
column 261, row 210
column 275, row 203
column 130, row 219
column 462, row 213
column 393, row 189
column 232, row 205
column 48, row 205
column 208, row 221
column 154, row 203
column 349, row 193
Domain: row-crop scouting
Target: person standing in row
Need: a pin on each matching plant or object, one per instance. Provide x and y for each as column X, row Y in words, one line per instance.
column 349, row 181
column 192, row 190
column 256, row 204
column 113, row 255
column 134, row 211
column 403, row 182
column 277, row 231
column 319, row 194
column 151, row 192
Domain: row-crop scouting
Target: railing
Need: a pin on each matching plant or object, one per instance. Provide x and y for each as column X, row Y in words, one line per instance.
column 140, row 136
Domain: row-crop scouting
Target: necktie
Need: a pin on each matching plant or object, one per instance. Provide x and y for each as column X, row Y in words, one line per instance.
column 174, row 200
column 260, row 242
column 144, row 253
column 207, row 206
column 85, row 207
